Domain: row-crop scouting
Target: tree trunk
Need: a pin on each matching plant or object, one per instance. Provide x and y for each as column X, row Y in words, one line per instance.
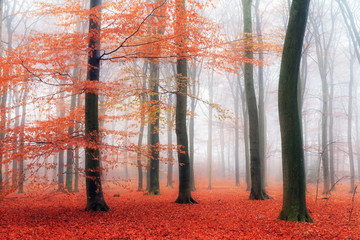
column 294, row 203
column 331, row 131
column 170, row 161
column 236, row 131
column 15, row 167
column 181, row 104
column 257, row 191
column 209, row 147
column 70, row 150
column 222, row 150
column 22, row 135
column 246, row 136
column 94, row 193
column 77, row 155
column 154, row 127
column 60, row 174
column 262, row 122
column 192, row 128
column 351, row 156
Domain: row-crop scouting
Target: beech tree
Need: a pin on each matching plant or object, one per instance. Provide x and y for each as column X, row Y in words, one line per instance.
column 294, row 203
column 257, row 190
column 181, row 104
column 94, row 193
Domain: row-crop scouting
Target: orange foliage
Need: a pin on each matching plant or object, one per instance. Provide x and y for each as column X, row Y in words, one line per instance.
column 223, row 213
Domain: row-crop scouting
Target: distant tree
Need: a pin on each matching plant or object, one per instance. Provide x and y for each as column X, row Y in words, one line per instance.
column 294, row 203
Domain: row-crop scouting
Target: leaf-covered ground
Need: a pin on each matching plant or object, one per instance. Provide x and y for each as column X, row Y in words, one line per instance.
column 223, row 213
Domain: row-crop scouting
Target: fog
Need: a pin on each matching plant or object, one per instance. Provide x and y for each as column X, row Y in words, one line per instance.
column 38, row 72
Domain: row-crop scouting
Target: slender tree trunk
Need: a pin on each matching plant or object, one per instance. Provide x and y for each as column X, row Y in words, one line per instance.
column 222, row 151
column 154, row 127
column 294, row 203
column 169, row 142
column 61, row 170
column 15, row 167
column 257, row 191
column 351, row 156
column 22, row 133
column 262, row 122
column 141, row 135
column 246, row 137
column 77, row 155
column 236, row 131
column 181, row 104
column 94, row 193
column 209, row 149
column 192, row 129
column 70, row 150
column 331, row 132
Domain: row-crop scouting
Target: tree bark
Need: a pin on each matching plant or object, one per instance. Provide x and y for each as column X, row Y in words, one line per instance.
column 257, row 192
column 246, row 134
column 294, row 203
column 181, row 104
column 94, row 193
column 154, row 125
column 261, row 106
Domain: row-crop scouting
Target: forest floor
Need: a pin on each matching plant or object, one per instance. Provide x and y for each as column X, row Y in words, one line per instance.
column 222, row 213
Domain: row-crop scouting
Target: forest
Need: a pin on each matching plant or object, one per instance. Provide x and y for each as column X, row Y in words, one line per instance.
column 179, row 119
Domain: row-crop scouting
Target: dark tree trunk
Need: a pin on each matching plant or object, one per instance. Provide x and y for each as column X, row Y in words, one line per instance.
column 181, row 104
column 294, row 204
column 94, row 193
column 61, row 170
column 154, row 125
column 181, row 133
column 257, row 192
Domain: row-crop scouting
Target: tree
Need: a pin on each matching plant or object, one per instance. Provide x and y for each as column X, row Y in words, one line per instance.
column 294, row 203
column 21, row 138
column 210, row 123
column 257, row 192
column 154, row 125
column 94, row 193
column 349, row 132
column 181, row 104
column 323, row 46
